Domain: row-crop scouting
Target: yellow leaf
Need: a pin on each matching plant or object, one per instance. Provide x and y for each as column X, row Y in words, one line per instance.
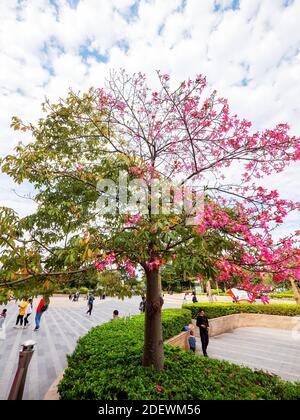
column 25, row 271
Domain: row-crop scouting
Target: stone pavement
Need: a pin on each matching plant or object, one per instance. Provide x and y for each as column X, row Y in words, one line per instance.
column 275, row 351
column 62, row 324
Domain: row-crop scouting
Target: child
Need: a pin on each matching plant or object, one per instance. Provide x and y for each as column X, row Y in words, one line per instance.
column 115, row 315
column 192, row 341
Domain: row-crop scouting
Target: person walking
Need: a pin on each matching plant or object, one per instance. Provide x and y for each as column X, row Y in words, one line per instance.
column 2, row 318
column 29, row 311
column 142, row 306
column 42, row 307
column 90, row 304
column 203, row 324
column 2, row 324
column 21, row 313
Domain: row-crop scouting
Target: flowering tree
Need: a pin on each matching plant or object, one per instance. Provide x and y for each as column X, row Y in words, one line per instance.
column 87, row 221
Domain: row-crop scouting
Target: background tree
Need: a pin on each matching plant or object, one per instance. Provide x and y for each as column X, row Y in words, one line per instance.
column 165, row 135
column 115, row 283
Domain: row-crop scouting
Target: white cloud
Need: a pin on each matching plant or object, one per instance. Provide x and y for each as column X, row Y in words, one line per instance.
column 250, row 54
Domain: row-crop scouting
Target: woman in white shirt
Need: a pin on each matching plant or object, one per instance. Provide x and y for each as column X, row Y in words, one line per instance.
column 29, row 310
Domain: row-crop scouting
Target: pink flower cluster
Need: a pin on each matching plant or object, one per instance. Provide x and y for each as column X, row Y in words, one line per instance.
column 103, row 263
column 132, row 220
column 130, row 268
column 155, row 264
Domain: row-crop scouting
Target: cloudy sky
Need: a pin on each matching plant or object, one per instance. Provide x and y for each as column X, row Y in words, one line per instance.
column 248, row 49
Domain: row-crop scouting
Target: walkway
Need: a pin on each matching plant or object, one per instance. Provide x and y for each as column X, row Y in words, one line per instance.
column 275, row 351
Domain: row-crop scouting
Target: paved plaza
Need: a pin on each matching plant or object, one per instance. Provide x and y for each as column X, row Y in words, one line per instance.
column 273, row 350
column 62, row 324
column 66, row 321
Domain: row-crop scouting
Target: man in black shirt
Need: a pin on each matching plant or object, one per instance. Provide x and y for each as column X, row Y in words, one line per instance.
column 203, row 324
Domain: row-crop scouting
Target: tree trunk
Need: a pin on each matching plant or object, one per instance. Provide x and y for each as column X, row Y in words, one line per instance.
column 208, row 290
column 295, row 290
column 153, row 340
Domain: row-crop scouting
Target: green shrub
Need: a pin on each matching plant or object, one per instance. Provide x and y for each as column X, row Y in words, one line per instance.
column 282, row 295
column 106, row 365
column 66, row 291
column 217, row 309
column 83, row 290
column 217, row 292
column 73, row 290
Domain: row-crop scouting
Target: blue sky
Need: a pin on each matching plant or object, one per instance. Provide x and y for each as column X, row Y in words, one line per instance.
column 249, row 51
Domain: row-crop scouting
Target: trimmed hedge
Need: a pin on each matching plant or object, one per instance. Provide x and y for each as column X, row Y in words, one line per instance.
column 106, row 365
column 217, row 309
column 282, row 295
column 65, row 291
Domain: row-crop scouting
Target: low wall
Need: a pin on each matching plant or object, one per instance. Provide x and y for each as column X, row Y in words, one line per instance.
column 180, row 340
column 231, row 322
column 217, row 326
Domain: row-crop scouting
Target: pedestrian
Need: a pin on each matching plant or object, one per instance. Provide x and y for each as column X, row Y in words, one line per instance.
column 21, row 313
column 115, row 315
column 142, row 306
column 2, row 318
column 29, row 310
column 91, row 304
column 203, row 324
column 192, row 341
column 2, row 324
column 42, row 307
column 184, row 298
column 70, row 296
column 194, row 299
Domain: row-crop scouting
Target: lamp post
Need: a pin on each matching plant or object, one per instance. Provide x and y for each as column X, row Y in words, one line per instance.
column 25, row 355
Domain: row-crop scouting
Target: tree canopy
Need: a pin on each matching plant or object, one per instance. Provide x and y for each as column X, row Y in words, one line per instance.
column 125, row 176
